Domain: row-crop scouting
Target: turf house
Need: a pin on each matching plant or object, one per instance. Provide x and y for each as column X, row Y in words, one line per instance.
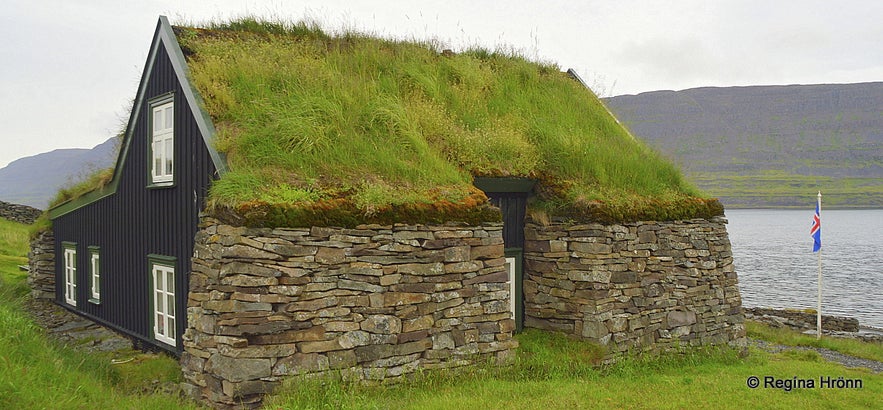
column 286, row 202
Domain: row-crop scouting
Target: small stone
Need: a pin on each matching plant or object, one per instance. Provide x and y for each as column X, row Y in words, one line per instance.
column 237, row 370
column 457, row 254
column 355, row 338
column 383, row 324
column 680, row 318
column 247, row 252
column 301, row 363
column 330, row 256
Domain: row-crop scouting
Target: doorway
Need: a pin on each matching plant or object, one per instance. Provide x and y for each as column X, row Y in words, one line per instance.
column 510, row 195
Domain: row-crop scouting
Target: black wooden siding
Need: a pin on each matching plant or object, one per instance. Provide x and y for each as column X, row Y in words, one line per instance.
column 137, row 221
column 513, row 205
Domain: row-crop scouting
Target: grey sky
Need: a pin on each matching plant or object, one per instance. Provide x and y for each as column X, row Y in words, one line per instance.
column 70, row 67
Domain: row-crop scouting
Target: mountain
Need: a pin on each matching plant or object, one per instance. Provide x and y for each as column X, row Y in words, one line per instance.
column 34, row 180
column 768, row 146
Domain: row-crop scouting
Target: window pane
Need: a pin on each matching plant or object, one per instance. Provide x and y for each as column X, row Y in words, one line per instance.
column 169, row 156
column 157, row 159
column 157, row 120
column 170, row 282
column 171, row 328
column 169, row 118
column 171, row 301
column 160, row 324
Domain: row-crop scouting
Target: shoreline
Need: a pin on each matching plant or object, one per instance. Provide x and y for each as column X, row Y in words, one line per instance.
column 804, row 320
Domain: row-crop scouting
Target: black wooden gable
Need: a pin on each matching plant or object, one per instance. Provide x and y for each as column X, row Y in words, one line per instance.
column 127, row 220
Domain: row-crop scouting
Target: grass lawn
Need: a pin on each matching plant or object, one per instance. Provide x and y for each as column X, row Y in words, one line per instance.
column 38, row 373
column 550, row 372
column 563, row 378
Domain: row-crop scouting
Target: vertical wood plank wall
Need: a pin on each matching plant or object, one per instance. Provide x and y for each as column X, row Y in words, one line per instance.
column 137, row 221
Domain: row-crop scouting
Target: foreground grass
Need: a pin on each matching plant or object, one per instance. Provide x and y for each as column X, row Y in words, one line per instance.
column 553, row 372
column 37, row 373
column 550, row 372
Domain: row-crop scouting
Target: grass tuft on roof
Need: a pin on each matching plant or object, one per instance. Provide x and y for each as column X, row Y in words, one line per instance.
column 368, row 126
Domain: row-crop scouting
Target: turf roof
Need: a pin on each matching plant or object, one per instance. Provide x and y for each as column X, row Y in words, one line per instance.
column 339, row 130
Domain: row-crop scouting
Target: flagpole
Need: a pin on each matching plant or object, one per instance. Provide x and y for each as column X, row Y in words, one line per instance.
column 819, row 309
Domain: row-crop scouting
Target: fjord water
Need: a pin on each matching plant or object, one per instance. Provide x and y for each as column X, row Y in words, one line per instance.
column 772, row 252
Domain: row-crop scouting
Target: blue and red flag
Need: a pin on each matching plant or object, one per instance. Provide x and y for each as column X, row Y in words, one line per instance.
column 816, row 230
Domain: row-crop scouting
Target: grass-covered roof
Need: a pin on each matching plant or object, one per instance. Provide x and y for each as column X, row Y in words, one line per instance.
column 322, row 129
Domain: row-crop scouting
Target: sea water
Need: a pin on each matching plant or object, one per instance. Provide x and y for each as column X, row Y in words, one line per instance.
column 772, row 252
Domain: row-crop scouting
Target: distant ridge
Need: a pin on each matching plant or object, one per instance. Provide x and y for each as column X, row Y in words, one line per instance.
column 768, row 146
column 34, row 180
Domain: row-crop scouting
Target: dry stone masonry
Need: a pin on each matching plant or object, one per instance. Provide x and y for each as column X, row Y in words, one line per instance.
column 643, row 286
column 373, row 303
column 19, row 213
column 379, row 302
column 41, row 265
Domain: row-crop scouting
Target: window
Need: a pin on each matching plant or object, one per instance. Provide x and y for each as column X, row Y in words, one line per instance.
column 94, row 275
column 162, row 147
column 162, row 270
column 70, row 273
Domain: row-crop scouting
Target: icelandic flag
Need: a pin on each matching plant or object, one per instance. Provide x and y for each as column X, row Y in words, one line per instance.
column 816, row 231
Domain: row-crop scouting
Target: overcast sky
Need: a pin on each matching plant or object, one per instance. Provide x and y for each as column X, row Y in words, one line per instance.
column 69, row 68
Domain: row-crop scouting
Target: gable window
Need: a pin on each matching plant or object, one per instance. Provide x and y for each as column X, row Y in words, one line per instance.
column 162, row 147
column 70, row 273
column 162, row 273
column 94, row 275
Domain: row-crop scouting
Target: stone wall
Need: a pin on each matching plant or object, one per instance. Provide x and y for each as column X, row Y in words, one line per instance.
column 372, row 303
column 801, row 320
column 642, row 286
column 19, row 213
column 41, row 265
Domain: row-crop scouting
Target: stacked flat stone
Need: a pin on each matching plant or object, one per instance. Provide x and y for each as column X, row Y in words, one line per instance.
column 801, row 320
column 643, row 286
column 41, row 266
column 19, row 213
column 372, row 303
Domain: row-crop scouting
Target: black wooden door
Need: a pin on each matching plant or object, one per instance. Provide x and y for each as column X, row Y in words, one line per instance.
column 513, row 206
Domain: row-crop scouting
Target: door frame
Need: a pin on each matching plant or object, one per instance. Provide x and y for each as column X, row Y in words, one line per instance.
column 502, row 188
column 516, row 291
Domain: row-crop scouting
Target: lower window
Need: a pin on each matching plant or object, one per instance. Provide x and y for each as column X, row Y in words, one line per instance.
column 94, row 275
column 162, row 271
column 70, row 273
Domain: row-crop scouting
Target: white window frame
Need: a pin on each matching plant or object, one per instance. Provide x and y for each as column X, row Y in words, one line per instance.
column 511, row 270
column 164, row 316
column 94, row 274
column 162, row 141
column 70, row 273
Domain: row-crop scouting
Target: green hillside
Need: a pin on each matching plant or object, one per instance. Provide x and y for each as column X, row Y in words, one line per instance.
column 769, row 145
column 345, row 129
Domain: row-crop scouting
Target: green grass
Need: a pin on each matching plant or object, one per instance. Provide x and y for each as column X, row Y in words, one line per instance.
column 554, row 372
column 37, row 373
column 307, row 118
column 781, row 189
column 550, row 371
column 13, row 239
column 788, row 337
column 13, row 251
column 80, row 186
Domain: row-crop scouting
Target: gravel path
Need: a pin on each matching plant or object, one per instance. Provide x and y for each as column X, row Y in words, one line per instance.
column 73, row 330
column 830, row 355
